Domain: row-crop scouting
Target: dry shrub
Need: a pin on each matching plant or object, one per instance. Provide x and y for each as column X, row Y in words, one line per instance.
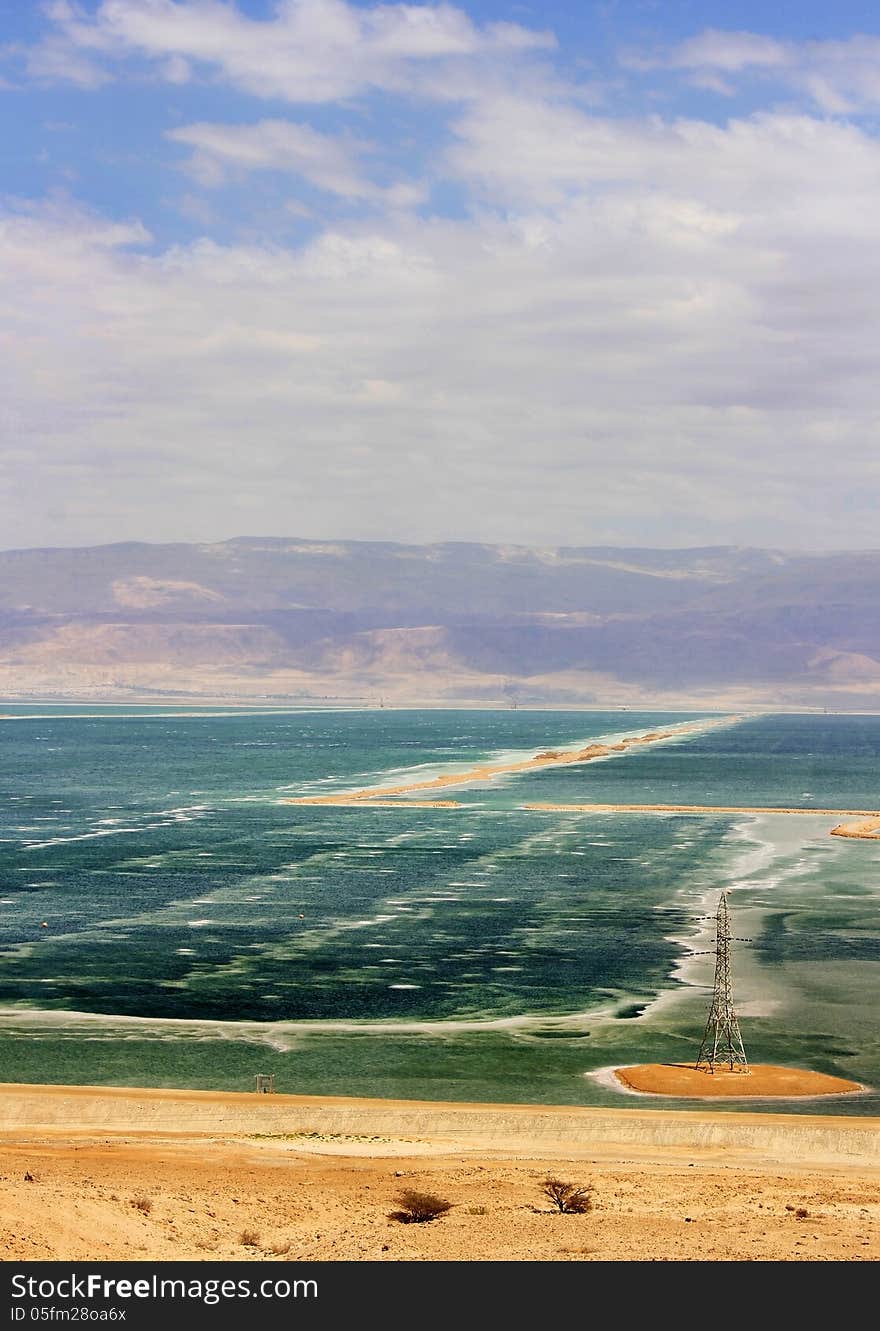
column 568, row 1198
column 249, row 1238
column 415, row 1208
column 142, row 1204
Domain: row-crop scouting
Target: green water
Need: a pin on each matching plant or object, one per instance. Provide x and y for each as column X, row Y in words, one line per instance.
column 165, row 919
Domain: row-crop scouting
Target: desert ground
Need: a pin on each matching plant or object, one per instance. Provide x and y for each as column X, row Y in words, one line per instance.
column 92, row 1173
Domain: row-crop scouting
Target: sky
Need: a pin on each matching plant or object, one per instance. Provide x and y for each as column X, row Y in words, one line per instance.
column 543, row 274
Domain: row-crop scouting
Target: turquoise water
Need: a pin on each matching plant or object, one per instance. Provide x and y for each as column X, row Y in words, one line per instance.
column 165, row 919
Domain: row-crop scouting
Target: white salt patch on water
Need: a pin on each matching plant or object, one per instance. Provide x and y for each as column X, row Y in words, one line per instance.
column 86, row 836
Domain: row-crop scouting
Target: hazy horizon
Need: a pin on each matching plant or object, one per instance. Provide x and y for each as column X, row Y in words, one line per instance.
column 336, row 539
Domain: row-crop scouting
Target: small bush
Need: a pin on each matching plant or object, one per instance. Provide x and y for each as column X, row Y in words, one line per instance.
column 801, row 1213
column 249, row 1238
column 142, row 1204
column 476, row 1210
column 415, row 1208
column 568, row 1198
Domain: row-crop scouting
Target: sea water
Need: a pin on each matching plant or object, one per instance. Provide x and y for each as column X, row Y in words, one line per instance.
column 167, row 919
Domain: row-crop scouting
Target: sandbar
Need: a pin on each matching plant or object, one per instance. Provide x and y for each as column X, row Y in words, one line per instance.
column 547, row 758
column 389, row 797
column 866, row 829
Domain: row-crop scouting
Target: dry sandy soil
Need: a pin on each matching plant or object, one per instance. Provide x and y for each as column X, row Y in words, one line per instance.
column 666, row 1186
column 760, row 1080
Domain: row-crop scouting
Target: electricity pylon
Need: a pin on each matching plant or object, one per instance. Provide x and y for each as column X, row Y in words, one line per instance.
column 722, row 1042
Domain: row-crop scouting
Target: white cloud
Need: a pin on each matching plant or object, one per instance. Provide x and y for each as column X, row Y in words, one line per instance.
column 638, row 330
column 732, row 51
column 59, row 61
column 840, row 77
column 307, row 51
column 327, row 161
column 669, row 337
column 224, row 153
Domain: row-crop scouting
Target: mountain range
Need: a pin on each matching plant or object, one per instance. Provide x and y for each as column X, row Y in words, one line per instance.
column 364, row 623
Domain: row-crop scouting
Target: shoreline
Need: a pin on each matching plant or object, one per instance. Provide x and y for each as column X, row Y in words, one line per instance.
column 107, row 1112
column 121, row 1173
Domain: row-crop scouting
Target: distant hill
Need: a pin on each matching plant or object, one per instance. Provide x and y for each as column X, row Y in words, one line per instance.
column 354, row 622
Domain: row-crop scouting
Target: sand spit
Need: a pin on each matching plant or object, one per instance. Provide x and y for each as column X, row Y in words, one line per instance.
column 380, row 796
column 104, row 1174
column 699, row 808
column 763, row 1080
column 389, row 797
column 866, row 830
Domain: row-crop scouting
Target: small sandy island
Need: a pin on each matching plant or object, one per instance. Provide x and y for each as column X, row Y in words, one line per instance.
column 96, row 1173
column 763, row 1080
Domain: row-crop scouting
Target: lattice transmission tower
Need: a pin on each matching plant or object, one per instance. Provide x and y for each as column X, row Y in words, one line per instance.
column 722, row 1041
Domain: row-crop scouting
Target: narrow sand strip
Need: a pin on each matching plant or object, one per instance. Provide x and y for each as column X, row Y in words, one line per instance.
column 388, row 797
column 867, row 829
column 549, row 758
column 871, row 814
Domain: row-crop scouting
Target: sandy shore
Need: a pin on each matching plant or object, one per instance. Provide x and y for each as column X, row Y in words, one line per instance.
column 106, row 1173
